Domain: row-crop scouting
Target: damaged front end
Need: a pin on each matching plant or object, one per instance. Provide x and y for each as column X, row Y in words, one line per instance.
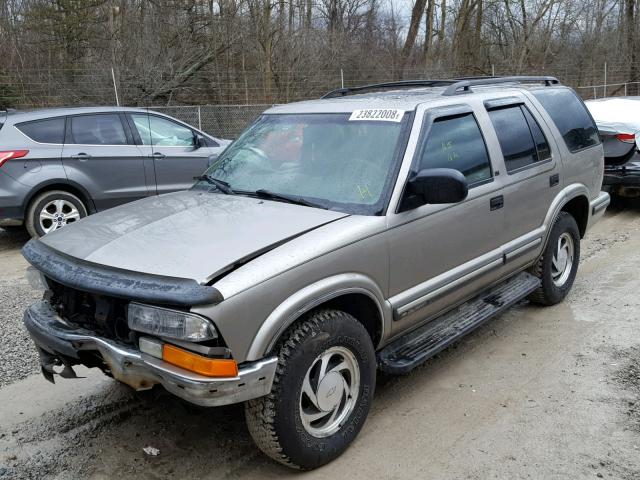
column 83, row 320
column 62, row 346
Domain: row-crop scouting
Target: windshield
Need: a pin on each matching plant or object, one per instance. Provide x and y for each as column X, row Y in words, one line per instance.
column 327, row 159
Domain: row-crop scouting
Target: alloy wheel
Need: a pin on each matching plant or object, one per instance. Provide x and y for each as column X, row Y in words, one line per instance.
column 56, row 214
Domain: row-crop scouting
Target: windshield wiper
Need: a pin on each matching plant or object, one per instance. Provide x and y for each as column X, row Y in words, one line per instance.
column 221, row 185
column 262, row 193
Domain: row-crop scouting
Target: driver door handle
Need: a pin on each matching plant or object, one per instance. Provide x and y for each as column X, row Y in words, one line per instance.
column 81, row 156
column 157, row 155
column 496, row 203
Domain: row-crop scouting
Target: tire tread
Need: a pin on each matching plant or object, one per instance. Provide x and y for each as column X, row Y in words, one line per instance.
column 260, row 412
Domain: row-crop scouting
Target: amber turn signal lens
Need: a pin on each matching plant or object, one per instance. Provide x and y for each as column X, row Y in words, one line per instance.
column 209, row 367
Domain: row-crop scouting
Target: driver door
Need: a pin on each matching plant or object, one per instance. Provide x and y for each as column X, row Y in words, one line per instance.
column 172, row 148
column 442, row 254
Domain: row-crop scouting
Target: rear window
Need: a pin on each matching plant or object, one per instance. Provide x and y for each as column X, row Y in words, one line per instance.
column 570, row 116
column 102, row 129
column 521, row 139
column 50, row 130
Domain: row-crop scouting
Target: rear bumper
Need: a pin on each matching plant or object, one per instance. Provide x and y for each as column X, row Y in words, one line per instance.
column 627, row 175
column 60, row 343
column 12, row 195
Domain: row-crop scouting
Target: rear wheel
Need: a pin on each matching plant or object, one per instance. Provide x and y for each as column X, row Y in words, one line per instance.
column 321, row 393
column 52, row 210
column 558, row 265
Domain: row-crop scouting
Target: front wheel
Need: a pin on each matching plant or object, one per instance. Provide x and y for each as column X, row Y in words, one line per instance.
column 321, row 393
column 558, row 265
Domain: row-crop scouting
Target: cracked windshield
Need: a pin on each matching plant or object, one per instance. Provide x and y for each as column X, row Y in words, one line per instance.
column 332, row 160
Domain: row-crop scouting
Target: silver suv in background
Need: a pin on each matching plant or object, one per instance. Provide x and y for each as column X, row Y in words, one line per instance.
column 59, row 165
column 334, row 237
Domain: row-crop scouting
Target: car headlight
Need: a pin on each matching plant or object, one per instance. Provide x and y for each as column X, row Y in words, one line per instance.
column 164, row 322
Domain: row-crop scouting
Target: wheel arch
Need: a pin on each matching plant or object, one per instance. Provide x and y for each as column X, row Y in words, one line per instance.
column 60, row 184
column 578, row 208
column 573, row 199
column 355, row 294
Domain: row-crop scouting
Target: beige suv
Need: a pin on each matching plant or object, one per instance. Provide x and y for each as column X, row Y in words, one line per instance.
column 335, row 237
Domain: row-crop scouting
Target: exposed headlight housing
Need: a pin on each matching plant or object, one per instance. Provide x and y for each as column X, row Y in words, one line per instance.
column 164, row 322
column 36, row 279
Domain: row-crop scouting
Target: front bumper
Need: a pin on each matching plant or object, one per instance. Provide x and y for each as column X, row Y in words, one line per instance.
column 72, row 346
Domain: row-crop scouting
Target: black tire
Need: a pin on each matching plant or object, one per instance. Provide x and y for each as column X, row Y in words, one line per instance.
column 275, row 421
column 549, row 293
column 32, row 220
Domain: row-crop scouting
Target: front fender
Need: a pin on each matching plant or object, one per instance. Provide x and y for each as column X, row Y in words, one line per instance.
column 310, row 297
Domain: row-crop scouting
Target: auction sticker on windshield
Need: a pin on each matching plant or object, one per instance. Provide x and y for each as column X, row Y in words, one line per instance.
column 377, row 114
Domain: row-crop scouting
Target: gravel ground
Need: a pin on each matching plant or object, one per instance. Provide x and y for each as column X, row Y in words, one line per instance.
column 549, row 393
column 19, row 355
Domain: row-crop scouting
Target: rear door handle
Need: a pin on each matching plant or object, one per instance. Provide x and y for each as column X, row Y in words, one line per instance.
column 157, row 155
column 496, row 202
column 554, row 180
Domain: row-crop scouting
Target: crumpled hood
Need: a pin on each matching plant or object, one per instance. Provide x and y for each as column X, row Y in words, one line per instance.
column 190, row 234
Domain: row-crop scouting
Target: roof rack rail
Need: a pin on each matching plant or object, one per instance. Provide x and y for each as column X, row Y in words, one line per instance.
column 464, row 85
column 341, row 92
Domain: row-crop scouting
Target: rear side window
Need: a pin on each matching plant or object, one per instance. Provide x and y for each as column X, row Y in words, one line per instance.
column 570, row 116
column 103, row 129
column 456, row 142
column 521, row 139
column 50, row 130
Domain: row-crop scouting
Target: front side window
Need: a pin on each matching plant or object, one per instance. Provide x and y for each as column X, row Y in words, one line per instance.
column 570, row 116
column 457, row 143
column 160, row 132
column 331, row 160
column 103, row 129
column 516, row 135
column 50, row 130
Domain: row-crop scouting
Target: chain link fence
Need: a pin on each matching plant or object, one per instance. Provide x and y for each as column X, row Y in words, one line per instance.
column 228, row 121
column 222, row 121
column 609, row 90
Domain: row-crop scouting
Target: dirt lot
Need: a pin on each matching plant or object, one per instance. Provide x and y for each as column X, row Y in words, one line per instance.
column 537, row 393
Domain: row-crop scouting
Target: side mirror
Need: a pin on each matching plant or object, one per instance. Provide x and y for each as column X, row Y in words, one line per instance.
column 436, row 186
column 199, row 141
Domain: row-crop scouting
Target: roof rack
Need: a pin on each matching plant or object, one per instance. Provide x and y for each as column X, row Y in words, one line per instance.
column 464, row 85
column 456, row 86
column 341, row 92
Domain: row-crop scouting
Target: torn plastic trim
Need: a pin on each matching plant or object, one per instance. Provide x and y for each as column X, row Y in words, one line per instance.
column 116, row 282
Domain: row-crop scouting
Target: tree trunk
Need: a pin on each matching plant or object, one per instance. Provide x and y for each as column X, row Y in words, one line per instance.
column 414, row 24
column 428, row 30
column 443, row 22
column 630, row 40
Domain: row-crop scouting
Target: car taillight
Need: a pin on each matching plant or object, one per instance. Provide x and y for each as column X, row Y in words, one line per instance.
column 11, row 154
column 626, row 137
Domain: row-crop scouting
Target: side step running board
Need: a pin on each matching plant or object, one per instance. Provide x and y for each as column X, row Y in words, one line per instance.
column 417, row 346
